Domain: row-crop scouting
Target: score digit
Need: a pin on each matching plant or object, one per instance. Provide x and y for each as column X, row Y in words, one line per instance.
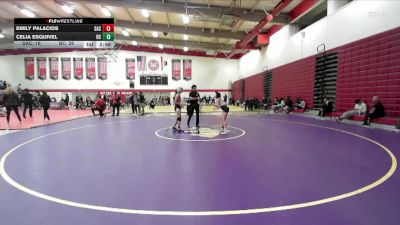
column 108, row 36
column 108, row 27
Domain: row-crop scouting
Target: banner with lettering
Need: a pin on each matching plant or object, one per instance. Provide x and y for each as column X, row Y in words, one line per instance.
column 187, row 69
column 130, row 68
column 42, row 67
column 29, row 68
column 102, row 64
column 66, row 68
column 78, row 68
column 176, row 69
column 90, row 68
column 53, row 64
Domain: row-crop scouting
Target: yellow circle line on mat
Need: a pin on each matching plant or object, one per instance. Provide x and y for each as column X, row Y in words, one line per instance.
column 201, row 213
column 200, row 140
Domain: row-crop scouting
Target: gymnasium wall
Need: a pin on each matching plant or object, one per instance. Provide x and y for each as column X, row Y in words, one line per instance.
column 254, row 86
column 295, row 79
column 370, row 67
column 207, row 73
column 357, row 20
column 366, row 68
column 237, row 90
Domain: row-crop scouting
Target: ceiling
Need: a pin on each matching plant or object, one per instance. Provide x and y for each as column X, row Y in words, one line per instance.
column 214, row 25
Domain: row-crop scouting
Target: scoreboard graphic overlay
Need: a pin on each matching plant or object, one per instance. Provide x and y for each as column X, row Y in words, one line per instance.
column 64, row 33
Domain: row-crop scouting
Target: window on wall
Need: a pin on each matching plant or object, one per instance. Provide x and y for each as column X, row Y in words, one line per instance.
column 314, row 15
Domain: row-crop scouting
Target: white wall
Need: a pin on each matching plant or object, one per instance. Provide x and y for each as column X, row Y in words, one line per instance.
column 357, row 20
column 207, row 73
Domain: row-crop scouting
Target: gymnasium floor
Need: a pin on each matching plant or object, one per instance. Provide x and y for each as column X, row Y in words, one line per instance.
column 56, row 116
column 274, row 169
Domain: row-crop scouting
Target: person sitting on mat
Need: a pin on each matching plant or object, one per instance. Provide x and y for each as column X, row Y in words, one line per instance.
column 194, row 98
column 288, row 105
column 10, row 99
column 45, row 101
column 359, row 108
column 100, row 106
column 327, row 107
column 279, row 106
column 178, row 109
column 221, row 104
column 152, row 104
column 300, row 104
column 377, row 111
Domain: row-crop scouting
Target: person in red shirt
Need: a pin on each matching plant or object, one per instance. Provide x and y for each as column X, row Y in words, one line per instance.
column 100, row 106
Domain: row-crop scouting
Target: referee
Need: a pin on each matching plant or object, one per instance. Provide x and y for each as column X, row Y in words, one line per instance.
column 194, row 98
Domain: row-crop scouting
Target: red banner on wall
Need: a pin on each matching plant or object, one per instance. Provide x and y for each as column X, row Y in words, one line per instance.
column 53, row 64
column 42, row 67
column 130, row 69
column 29, row 68
column 78, row 68
column 90, row 68
column 187, row 69
column 102, row 64
column 176, row 69
column 66, row 68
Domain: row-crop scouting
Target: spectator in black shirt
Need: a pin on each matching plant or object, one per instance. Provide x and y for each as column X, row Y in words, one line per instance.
column 28, row 102
column 10, row 99
column 194, row 98
column 327, row 107
column 142, row 103
column 288, row 105
column 377, row 111
column 66, row 100
column 45, row 101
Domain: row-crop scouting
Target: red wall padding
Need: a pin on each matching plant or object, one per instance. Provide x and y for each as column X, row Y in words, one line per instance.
column 237, row 90
column 254, row 86
column 295, row 79
column 369, row 67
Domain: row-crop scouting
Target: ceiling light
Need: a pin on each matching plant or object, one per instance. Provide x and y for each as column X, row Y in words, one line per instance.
column 27, row 13
column 185, row 19
column 134, row 42
column 161, row 46
column 155, row 34
column 1, row 35
column 185, row 37
column 145, row 13
column 67, row 9
column 106, row 12
column 185, row 49
column 125, row 33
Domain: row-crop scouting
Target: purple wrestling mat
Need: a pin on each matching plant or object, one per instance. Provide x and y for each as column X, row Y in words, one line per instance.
column 286, row 170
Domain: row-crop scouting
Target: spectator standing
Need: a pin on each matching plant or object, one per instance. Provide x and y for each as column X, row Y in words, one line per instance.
column 142, row 103
column 45, row 102
column 10, row 99
column 27, row 98
column 116, row 101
